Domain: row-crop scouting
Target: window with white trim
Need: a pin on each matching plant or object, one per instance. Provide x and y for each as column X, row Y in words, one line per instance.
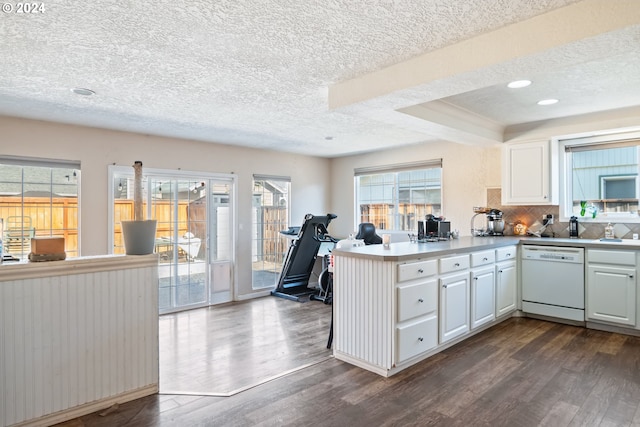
column 601, row 177
column 394, row 197
column 38, row 198
column 271, row 207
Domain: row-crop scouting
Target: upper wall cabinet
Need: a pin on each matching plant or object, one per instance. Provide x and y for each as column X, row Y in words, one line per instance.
column 529, row 174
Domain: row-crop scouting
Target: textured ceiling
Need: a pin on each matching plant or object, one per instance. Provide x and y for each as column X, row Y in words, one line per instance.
column 260, row 73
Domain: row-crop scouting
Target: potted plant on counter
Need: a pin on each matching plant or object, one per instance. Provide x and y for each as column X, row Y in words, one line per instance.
column 139, row 234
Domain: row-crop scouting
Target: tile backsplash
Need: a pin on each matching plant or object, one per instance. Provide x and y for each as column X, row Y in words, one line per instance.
column 527, row 215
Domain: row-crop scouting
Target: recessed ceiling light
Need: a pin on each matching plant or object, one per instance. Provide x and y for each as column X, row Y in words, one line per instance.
column 550, row 101
column 519, row 84
column 82, row 91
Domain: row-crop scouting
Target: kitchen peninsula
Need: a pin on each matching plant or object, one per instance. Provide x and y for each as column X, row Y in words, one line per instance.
column 76, row 336
column 395, row 306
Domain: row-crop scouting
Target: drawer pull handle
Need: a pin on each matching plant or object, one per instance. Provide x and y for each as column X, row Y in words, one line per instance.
column 420, row 271
column 457, row 264
column 509, row 254
column 485, row 259
column 420, row 300
column 420, row 339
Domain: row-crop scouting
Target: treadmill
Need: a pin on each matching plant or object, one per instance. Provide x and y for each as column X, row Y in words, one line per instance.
column 293, row 283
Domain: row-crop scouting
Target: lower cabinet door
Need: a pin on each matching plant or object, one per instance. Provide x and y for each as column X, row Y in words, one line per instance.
column 506, row 281
column 483, row 287
column 611, row 294
column 454, row 306
column 416, row 338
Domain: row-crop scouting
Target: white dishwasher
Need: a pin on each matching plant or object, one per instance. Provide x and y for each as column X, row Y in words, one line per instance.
column 553, row 281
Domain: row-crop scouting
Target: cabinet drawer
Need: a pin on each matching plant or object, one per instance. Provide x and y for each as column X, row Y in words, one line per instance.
column 483, row 258
column 454, row 263
column 508, row 252
column 417, row 300
column 416, row 338
column 416, row 270
column 611, row 257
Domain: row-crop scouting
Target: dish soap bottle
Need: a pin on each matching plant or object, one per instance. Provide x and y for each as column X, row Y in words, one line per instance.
column 609, row 233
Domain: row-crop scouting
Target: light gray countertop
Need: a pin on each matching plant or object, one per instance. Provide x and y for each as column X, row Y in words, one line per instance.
column 404, row 251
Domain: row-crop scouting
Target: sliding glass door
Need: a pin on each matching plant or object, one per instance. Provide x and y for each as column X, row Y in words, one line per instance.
column 180, row 207
column 194, row 237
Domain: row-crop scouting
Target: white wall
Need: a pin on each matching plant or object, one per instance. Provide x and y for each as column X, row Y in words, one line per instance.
column 98, row 148
column 467, row 172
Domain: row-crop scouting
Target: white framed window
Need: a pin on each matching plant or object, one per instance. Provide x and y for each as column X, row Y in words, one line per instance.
column 394, row 197
column 271, row 214
column 599, row 177
column 39, row 197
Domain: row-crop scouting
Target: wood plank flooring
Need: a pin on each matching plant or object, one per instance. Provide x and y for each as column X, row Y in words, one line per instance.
column 523, row 372
column 223, row 349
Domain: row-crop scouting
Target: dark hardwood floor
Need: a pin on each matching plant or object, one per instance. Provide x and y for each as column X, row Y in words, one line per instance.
column 523, row 372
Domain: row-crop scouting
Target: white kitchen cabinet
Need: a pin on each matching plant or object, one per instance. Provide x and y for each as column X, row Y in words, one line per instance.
column 417, row 299
column 529, row 174
column 451, row 264
column 611, row 286
column 454, row 306
column 417, row 309
column 415, row 338
column 483, row 287
column 506, row 286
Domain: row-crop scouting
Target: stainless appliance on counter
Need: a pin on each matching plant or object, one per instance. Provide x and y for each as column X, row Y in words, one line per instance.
column 494, row 224
column 553, row 281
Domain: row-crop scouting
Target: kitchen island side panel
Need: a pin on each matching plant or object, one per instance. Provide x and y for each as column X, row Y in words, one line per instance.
column 364, row 310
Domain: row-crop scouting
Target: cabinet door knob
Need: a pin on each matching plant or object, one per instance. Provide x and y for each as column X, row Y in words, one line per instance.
column 499, row 271
column 420, row 339
column 444, row 286
column 457, row 264
column 420, row 271
column 631, row 276
column 475, row 278
column 485, row 259
column 420, row 300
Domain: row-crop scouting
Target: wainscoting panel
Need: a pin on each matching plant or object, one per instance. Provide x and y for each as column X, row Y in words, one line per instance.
column 370, row 306
column 71, row 339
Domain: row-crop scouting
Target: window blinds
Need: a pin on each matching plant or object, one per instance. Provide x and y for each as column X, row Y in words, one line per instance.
column 436, row 163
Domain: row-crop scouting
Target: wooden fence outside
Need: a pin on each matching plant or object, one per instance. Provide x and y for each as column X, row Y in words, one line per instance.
column 40, row 216
column 58, row 217
column 382, row 214
column 274, row 244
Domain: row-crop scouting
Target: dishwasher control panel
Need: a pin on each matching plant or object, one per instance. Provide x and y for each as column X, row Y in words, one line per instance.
column 559, row 257
column 545, row 253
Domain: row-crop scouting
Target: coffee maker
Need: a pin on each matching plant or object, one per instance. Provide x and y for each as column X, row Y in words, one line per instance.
column 495, row 223
column 433, row 229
